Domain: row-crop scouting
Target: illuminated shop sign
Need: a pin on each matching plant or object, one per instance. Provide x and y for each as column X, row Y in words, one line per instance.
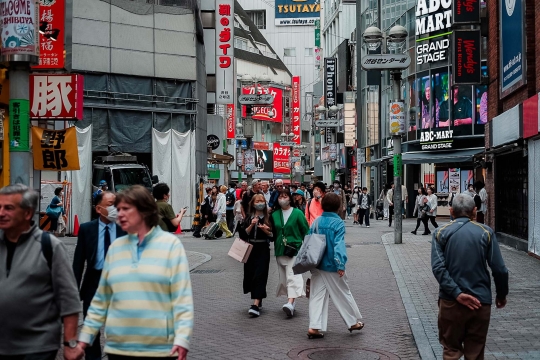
column 433, row 15
column 430, row 52
column 436, row 139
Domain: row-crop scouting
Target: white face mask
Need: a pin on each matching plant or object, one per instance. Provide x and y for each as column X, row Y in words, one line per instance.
column 113, row 213
column 284, row 202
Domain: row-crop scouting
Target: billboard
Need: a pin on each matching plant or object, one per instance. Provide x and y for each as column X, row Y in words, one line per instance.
column 466, row 11
column 295, row 12
column 51, row 34
column 225, row 79
column 281, row 159
column 512, row 45
column 56, row 96
column 272, row 113
column 297, row 138
column 466, row 54
column 231, row 123
column 19, row 19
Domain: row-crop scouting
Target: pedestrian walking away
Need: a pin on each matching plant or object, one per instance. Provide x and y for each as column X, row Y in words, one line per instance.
column 230, row 197
column 38, row 289
column 289, row 228
column 329, row 280
column 221, row 213
column 257, row 230
column 93, row 242
column 420, row 210
column 384, row 199
column 479, row 186
column 313, row 207
column 144, row 297
column 365, row 203
column 168, row 220
column 460, row 251
column 348, row 193
column 390, row 199
column 432, row 202
column 55, row 212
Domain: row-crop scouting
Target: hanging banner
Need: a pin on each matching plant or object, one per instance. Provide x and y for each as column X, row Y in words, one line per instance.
column 19, row 125
column 272, row 112
column 51, row 34
column 281, row 159
column 466, row 53
column 56, row 96
column 18, row 19
column 297, row 138
column 55, row 149
column 225, row 79
column 231, row 124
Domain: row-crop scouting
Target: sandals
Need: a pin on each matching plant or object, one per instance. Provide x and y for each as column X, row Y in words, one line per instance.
column 315, row 336
column 358, row 326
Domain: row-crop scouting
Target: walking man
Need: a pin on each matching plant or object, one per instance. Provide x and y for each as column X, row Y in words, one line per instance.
column 390, row 198
column 230, row 198
column 459, row 253
column 38, row 288
column 93, row 241
column 365, row 204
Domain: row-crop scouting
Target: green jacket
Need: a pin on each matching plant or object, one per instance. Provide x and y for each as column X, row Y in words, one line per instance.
column 294, row 230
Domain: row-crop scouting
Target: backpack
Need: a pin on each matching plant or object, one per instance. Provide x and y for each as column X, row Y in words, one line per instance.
column 46, row 248
column 230, row 198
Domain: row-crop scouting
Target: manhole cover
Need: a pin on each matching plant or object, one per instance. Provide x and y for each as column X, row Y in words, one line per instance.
column 338, row 353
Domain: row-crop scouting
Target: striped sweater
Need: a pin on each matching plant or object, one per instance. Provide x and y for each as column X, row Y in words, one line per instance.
column 144, row 297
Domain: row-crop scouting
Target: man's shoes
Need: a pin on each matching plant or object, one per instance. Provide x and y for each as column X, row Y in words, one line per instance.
column 254, row 311
column 413, row 232
column 288, row 308
column 426, row 233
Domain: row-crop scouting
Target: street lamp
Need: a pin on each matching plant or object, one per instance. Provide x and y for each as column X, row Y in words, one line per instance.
column 394, row 40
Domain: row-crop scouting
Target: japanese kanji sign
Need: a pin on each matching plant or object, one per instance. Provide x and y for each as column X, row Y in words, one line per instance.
column 385, row 61
column 18, row 21
column 57, row 97
column 55, row 149
column 231, row 123
column 225, row 79
column 281, row 159
column 272, row 112
column 295, row 121
column 51, row 34
column 19, row 125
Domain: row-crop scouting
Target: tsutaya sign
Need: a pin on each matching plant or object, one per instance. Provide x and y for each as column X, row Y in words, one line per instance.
column 433, row 15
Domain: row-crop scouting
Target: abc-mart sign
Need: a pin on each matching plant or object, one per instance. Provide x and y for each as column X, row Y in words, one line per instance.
column 432, row 16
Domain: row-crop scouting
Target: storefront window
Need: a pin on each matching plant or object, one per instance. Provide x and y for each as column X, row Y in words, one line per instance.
column 440, row 99
column 424, row 105
column 481, row 101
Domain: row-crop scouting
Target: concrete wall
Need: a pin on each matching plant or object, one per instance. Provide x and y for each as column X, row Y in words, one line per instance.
column 133, row 38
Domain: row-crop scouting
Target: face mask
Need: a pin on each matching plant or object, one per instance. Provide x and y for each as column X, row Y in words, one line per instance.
column 259, row 206
column 317, row 194
column 284, row 202
column 113, row 213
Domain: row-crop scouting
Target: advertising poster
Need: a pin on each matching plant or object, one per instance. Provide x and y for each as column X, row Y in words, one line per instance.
column 51, row 34
column 225, row 79
column 55, row 149
column 454, row 180
column 19, row 125
column 231, row 124
column 466, row 57
column 397, row 117
column 482, row 101
column 19, row 21
column 56, row 96
column 272, row 113
column 249, row 161
column 265, row 159
column 442, row 182
column 512, row 45
column 467, row 177
column 424, row 87
column 281, row 159
column 294, row 12
column 441, row 99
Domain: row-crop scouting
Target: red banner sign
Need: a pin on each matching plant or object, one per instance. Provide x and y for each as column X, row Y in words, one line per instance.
column 51, row 34
column 296, row 126
column 56, row 97
column 272, row 112
column 261, row 145
column 281, row 159
column 229, row 116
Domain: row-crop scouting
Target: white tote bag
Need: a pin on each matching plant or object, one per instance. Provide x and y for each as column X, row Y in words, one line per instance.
column 311, row 252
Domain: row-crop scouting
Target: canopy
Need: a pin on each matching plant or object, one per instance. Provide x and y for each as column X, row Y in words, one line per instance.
column 454, row 156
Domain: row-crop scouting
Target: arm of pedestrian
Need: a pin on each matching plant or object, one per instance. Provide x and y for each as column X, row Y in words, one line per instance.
column 498, row 268
column 500, row 303
column 340, row 251
column 182, row 353
column 79, row 258
column 469, row 301
column 66, row 292
column 438, row 266
column 71, row 323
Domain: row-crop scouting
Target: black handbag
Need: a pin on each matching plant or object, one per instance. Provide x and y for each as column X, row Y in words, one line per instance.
column 289, row 250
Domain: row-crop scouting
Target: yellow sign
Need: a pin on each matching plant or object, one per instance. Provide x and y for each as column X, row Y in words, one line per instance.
column 55, row 150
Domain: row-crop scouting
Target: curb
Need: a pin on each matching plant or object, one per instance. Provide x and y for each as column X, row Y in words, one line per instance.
column 205, row 258
column 419, row 333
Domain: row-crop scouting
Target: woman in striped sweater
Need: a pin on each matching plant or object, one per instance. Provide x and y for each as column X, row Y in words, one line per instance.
column 144, row 297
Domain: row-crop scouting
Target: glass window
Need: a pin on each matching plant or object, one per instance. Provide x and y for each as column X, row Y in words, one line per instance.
column 289, row 52
column 424, row 113
column 482, row 101
column 440, row 102
column 462, row 105
column 308, row 52
column 208, row 20
column 258, row 17
column 126, row 177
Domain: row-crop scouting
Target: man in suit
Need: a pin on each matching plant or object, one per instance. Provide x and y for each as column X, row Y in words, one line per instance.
column 93, row 241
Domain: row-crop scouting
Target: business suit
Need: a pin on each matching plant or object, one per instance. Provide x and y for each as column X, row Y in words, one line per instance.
column 86, row 252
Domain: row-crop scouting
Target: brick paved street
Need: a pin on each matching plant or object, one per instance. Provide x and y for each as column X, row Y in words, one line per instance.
column 392, row 284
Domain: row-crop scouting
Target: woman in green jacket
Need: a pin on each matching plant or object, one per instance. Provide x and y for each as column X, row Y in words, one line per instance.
column 290, row 227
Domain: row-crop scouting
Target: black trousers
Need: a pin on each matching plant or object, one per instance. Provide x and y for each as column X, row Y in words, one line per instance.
column 54, row 224
column 363, row 213
column 390, row 214
column 433, row 222
column 423, row 220
column 256, row 270
column 90, row 285
column 47, row 355
column 230, row 219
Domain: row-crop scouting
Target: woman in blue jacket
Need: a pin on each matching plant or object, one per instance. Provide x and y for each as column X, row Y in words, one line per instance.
column 329, row 279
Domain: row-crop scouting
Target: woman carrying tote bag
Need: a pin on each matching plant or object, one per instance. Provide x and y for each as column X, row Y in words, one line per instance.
column 290, row 227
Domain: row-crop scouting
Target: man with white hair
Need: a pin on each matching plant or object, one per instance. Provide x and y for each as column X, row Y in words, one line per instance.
column 264, row 189
column 460, row 251
column 273, row 202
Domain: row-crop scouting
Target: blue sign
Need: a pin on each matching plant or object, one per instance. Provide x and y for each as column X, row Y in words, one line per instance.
column 297, row 12
column 512, row 45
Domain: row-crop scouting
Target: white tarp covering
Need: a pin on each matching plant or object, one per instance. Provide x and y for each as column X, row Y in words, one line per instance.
column 534, row 197
column 173, row 157
column 81, row 203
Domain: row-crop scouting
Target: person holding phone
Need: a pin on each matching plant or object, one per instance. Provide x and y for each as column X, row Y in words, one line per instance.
column 168, row 220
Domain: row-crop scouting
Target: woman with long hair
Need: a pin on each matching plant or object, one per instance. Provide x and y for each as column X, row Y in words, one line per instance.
column 290, row 227
column 354, row 203
column 221, row 215
column 257, row 230
column 419, row 210
column 237, row 210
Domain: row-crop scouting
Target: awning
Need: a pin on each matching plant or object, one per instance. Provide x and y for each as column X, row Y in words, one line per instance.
column 455, row 156
column 376, row 161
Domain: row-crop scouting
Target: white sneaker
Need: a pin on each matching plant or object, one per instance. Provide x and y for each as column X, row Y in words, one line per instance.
column 367, row 225
column 288, row 308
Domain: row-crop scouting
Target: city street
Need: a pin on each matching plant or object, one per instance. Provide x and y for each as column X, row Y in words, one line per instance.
column 392, row 284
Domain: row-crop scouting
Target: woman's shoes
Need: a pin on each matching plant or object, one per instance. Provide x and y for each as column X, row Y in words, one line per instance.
column 413, row 232
column 316, row 335
column 426, row 233
column 254, row 311
column 358, row 326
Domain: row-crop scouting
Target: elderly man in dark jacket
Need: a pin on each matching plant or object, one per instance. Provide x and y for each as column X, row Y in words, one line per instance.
column 459, row 253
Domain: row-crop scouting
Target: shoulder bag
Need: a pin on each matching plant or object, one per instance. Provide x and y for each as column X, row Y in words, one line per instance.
column 311, row 252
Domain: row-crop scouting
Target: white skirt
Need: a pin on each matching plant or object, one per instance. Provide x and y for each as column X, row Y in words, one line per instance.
column 289, row 284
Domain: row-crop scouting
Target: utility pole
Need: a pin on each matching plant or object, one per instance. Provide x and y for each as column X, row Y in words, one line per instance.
column 398, row 219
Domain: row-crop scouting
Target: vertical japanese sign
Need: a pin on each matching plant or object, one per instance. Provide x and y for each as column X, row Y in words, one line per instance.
column 55, row 149
column 330, row 90
column 296, row 110
column 230, row 119
column 56, row 97
column 512, row 45
column 19, row 125
column 318, row 33
column 51, row 34
column 281, row 159
column 18, row 20
column 225, row 79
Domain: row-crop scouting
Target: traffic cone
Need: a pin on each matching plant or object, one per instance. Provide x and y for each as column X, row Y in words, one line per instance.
column 179, row 230
column 76, row 226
